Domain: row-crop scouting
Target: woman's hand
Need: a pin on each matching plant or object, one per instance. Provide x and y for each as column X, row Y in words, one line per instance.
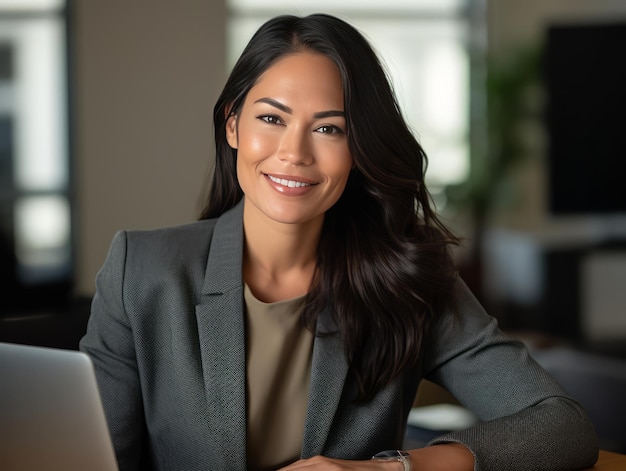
column 332, row 464
column 444, row 457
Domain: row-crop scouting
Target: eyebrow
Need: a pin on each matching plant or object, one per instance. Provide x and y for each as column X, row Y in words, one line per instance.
column 286, row 109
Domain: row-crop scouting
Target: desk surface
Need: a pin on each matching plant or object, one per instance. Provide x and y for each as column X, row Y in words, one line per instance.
column 609, row 461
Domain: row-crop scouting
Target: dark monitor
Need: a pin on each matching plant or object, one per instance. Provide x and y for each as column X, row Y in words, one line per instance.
column 585, row 72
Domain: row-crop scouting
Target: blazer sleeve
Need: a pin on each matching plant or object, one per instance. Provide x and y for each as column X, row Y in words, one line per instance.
column 526, row 420
column 109, row 343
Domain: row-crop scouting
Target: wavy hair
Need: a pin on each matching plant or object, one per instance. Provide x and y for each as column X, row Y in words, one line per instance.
column 383, row 264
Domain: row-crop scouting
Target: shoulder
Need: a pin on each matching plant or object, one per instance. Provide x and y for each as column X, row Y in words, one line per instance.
column 171, row 254
column 178, row 239
column 149, row 256
column 186, row 239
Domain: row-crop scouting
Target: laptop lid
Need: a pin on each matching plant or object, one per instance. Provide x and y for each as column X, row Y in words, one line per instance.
column 51, row 416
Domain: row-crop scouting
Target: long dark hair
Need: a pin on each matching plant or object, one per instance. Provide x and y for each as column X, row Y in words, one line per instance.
column 383, row 265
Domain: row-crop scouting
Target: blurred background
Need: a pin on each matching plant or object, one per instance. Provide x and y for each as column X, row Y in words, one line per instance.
column 105, row 124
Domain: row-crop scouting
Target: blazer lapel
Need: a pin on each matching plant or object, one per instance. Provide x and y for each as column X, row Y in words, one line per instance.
column 221, row 330
column 329, row 369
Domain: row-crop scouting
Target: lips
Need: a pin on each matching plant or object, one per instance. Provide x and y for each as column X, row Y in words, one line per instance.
column 288, row 182
column 290, row 186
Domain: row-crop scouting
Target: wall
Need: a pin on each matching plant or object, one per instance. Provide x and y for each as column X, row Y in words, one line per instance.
column 146, row 76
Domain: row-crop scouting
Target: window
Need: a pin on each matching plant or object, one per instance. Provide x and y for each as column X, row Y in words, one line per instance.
column 35, row 213
column 423, row 44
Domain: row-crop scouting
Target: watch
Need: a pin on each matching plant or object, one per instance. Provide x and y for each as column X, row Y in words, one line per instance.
column 394, row 455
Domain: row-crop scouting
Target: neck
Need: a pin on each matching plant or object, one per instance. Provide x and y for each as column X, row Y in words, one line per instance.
column 279, row 259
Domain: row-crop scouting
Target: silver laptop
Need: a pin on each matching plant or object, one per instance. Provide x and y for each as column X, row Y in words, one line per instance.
column 51, row 416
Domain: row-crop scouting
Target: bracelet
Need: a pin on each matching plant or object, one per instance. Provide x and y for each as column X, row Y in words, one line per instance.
column 394, row 455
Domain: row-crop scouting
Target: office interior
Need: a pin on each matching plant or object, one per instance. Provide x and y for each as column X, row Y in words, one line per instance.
column 540, row 209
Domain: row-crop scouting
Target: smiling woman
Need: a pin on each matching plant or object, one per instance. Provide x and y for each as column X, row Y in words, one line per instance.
column 291, row 326
column 293, row 163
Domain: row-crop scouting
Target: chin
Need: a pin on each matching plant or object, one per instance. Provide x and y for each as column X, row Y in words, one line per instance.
column 291, row 217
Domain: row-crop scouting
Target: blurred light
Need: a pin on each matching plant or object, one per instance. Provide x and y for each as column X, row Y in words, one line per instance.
column 40, row 161
column 351, row 5
column 30, row 5
column 429, row 67
column 448, row 163
column 42, row 230
column 445, row 87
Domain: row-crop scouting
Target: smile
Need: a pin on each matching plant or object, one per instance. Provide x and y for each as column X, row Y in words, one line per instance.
column 288, row 183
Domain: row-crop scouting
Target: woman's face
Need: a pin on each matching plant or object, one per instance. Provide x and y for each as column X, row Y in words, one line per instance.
column 293, row 159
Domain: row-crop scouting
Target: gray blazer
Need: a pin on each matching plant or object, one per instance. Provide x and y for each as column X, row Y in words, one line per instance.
column 167, row 337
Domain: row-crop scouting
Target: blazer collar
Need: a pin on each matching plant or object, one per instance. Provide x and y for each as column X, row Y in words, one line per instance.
column 329, row 370
column 222, row 339
column 224, row 265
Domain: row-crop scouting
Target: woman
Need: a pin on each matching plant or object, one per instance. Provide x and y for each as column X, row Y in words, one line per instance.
column 292, row 325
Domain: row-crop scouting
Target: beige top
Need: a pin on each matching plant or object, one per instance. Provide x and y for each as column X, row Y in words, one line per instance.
column 279, row 350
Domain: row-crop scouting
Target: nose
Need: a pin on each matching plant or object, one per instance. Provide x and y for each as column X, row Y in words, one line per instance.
column 295, row 147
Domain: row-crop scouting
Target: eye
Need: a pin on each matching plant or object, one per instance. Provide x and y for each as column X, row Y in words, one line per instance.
column 270, row 119
column 329, row 129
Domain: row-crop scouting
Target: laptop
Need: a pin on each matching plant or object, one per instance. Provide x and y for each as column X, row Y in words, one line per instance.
column 51, row 416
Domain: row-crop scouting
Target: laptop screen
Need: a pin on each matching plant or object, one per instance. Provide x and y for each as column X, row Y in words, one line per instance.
column 51, row 416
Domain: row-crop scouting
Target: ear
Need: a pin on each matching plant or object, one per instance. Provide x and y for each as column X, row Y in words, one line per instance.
column 231, row 130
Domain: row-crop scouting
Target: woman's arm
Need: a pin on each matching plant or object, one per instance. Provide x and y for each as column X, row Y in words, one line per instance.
column 527, row 420
column 554, row 434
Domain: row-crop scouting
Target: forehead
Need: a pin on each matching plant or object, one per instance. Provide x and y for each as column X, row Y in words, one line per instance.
column 299, row 76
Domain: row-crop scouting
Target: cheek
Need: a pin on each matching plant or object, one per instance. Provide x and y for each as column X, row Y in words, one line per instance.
column 260, row 145
column 255, row 144
column 246, row 176
column 342, row 165
column 338, row 172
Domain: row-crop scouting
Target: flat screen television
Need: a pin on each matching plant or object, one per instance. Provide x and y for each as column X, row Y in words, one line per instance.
column 585, row 77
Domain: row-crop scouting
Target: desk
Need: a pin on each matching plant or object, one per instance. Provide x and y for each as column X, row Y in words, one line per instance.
column 609, row 461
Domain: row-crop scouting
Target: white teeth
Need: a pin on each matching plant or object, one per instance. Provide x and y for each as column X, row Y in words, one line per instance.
column 289, row 183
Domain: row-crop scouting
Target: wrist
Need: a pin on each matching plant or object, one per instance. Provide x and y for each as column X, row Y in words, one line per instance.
column 443, row 457
column 399, row 456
